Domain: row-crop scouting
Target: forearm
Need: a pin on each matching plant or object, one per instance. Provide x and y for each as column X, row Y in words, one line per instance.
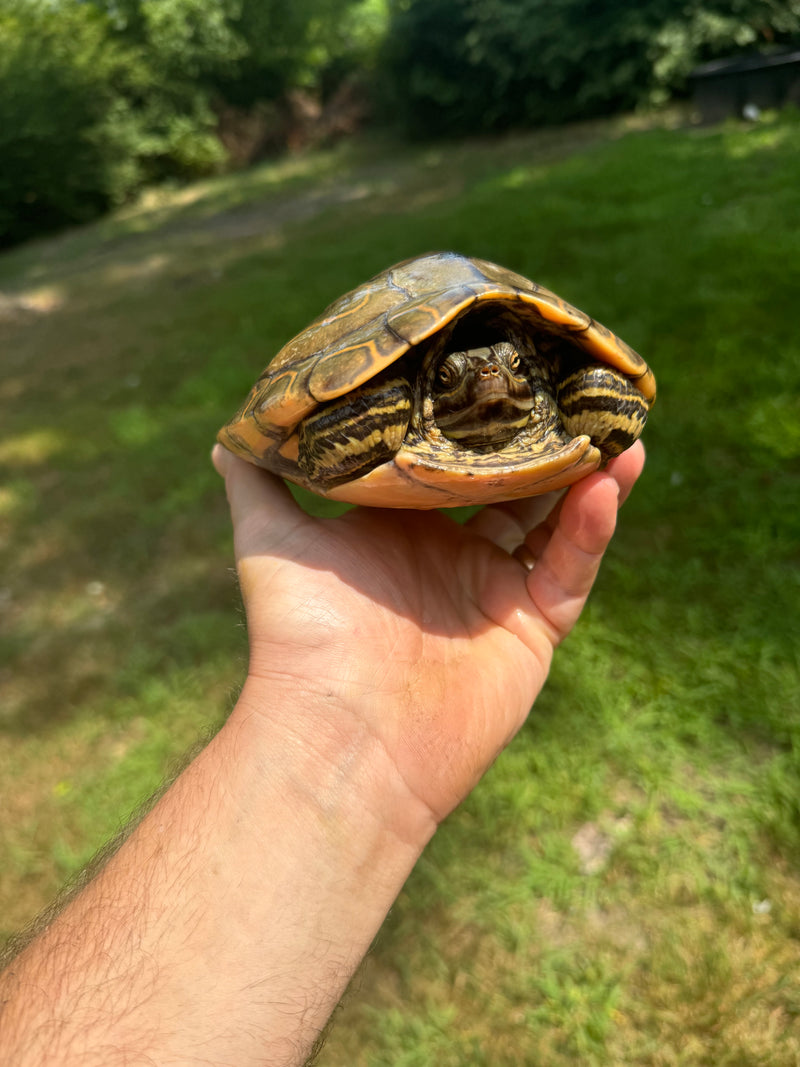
column 228, row 925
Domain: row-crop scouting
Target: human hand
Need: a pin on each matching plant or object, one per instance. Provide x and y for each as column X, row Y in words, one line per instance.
column 431, row 637
column 392, row 656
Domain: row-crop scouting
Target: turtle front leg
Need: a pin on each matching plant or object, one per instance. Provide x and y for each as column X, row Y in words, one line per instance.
column 604, row 404
column 347, row 438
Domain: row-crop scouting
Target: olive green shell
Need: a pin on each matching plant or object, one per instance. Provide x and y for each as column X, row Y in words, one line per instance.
column 376, row 324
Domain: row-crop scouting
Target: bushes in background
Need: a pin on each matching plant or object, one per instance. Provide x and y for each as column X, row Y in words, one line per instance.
column 100, row 96
column 456, row 66
column 86, row 117
column 65, row 127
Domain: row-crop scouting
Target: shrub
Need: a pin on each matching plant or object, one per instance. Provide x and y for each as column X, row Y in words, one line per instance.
column 65, row 131
column 455, row 66
column 86, row 116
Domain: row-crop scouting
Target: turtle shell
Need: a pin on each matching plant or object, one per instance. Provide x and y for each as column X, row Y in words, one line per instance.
column 397, row 316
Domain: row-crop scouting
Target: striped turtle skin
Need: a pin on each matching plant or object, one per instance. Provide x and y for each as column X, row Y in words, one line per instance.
column 441, row 382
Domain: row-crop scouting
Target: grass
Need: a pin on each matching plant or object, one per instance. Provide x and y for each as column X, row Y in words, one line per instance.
column 624, row 886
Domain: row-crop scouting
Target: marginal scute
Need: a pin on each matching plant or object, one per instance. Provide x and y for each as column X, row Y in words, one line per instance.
column 396, row 316
column 359, row 313
column 282, row 398
column 507, row 279
column 557, row 311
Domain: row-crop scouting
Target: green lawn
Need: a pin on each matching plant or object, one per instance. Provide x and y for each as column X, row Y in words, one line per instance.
column 624, row 886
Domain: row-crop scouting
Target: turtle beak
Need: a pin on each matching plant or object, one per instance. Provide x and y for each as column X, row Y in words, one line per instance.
column 492, row 380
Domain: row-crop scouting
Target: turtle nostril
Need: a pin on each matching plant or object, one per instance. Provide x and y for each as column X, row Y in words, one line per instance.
column 490, row 370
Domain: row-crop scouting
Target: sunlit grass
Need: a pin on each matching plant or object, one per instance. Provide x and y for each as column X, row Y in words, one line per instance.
column 33, row 448
column 623, row 888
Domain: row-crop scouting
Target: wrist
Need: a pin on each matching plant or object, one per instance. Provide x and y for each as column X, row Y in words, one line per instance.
column 327, row 757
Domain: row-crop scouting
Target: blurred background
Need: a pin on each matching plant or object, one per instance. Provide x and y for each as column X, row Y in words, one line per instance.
column 183, row 186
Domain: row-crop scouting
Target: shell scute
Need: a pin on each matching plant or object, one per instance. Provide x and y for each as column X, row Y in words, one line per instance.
column 604, row 345
column 368, row 352
column 507, row 279
column 554, row 310
column 360, row 315
column 282, row 398
column 434, row 273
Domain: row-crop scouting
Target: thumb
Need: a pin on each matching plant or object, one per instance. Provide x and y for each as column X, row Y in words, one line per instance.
column 263, row 511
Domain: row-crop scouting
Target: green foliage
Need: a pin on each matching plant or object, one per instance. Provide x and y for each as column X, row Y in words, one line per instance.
column 87, row 116
column 66, row 129
column 248, row 51
column 309, row 43
column 704, row 30
column 181, row 44
column 190, row 38
column 461, row 65
column 98, row 97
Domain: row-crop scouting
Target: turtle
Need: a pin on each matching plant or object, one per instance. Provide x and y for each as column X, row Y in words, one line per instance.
column 443, row 381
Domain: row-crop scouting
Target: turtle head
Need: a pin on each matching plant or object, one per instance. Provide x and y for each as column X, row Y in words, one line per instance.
column 481, row 396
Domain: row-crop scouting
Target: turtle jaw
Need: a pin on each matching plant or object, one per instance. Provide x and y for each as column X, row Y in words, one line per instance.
column 480, row 401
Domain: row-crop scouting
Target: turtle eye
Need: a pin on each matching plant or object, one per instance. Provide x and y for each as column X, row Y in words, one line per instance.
column 448, row 371
column 508, row 354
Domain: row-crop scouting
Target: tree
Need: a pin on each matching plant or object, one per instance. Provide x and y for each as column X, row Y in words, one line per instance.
column 310, row 44
column 66, row 127
column 455, row 66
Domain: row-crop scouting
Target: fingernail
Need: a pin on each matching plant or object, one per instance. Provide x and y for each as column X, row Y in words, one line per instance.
column 219, row 457
column 522, row 554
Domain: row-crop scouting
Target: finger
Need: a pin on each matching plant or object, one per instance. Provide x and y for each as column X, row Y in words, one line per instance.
column 626, row 468
column 263, row 510
column 566, row 569
column 506, row 524
column 530, row 521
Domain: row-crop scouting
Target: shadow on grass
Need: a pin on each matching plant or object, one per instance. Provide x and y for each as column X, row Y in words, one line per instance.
column 674, row 702
column 114, row 391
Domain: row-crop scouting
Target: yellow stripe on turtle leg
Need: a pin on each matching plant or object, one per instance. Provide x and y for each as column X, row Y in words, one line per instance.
column 599, row 401
column 347, row 438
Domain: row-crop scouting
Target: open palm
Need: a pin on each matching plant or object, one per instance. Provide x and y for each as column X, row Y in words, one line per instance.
column 434, row 637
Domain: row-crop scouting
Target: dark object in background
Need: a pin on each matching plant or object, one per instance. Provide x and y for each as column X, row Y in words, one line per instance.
column 746, row 85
